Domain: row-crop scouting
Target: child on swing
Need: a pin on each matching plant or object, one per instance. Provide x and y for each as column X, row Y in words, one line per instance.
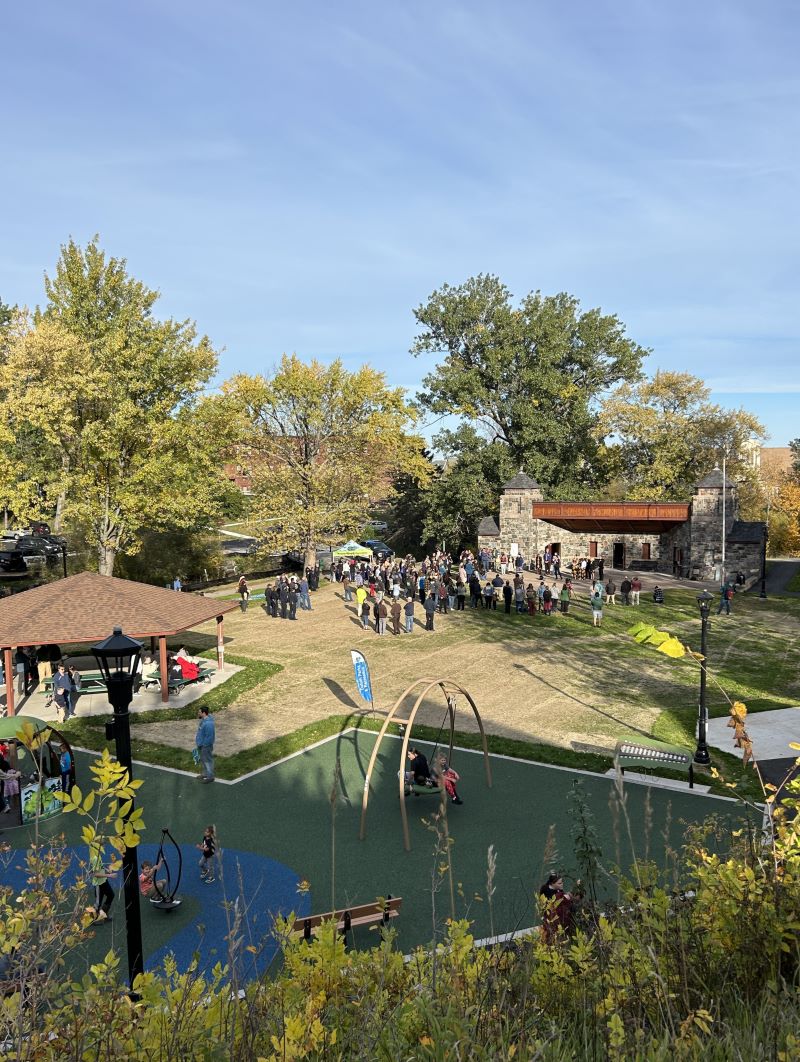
column 448, row 778
column 148, row 887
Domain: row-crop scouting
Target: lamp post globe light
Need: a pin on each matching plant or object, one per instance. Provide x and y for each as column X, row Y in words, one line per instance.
column 701, row 754
column 118, row 660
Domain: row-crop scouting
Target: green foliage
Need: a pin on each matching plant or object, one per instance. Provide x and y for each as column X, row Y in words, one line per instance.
column 467, row 488
column 164, row 554
column 323, row 444
column 666, row 436
column 104, row 405
column 527, row 376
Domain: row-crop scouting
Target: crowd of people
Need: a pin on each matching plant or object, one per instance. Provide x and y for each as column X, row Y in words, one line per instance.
column 388, row 591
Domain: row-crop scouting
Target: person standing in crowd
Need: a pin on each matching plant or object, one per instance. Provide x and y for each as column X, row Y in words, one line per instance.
column 597, row 608
column 625, row 590
column 408, row 610
column 62, row 692
column 600, row 566
column 204, row 741
column 22, row 667
column 283, row 596
column 366, row 609
column 461, row 594
column 636, row 589
column 489, row 600
column 305, row 596
column 292, row 598
column 565, row 596
column 382, row 615
column 611, row 591
column 348, row 593
column 397, row 612
column 508, row 597
column 430, row 611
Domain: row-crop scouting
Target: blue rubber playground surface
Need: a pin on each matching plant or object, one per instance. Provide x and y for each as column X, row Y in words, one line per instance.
column 275, row 834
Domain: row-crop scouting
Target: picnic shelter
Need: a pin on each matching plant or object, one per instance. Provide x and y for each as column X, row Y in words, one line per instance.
column 85, row 608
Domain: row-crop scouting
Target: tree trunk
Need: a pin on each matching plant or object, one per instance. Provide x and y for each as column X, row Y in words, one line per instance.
column 106, row 555
column 310, row 556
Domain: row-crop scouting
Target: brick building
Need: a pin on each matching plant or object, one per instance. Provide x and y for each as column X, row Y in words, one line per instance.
column 682, row 538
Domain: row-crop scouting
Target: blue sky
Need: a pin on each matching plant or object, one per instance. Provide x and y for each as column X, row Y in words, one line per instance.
column 299, row 176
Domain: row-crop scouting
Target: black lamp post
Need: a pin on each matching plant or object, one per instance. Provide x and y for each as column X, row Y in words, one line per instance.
column 118, row 660
column 763, row 594
column 701, row 754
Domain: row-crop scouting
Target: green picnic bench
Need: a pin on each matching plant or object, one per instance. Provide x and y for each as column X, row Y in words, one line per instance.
column 91, row 682
column 645, row 753
column 175, row 684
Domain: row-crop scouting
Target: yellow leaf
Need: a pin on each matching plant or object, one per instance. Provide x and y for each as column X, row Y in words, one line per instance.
column 794, row 745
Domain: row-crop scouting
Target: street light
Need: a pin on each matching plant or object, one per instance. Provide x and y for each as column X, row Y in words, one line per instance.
column 763, row 593
column 701, row 754
column 118, row 660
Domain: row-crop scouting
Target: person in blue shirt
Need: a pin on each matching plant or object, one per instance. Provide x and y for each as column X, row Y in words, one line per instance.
column 204, row 741
column 65, row 761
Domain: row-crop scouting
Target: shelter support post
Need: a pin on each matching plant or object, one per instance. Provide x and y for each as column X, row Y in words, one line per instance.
column 162, row 667
column 8, row 671
column 220, row 643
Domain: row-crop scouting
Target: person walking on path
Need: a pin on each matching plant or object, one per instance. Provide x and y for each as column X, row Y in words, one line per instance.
column 408, row 610
column 430, row 611
column 204, row 740
column 597, row 609
column 244, row 593
column 725, row 598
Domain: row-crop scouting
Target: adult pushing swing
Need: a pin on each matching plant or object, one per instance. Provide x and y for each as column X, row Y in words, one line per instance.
column 450, row 690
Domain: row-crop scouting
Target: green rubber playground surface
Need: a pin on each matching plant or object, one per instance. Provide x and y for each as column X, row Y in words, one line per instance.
column 275, row 831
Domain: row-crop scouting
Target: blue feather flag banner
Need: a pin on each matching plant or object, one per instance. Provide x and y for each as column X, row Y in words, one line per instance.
column 361, row 669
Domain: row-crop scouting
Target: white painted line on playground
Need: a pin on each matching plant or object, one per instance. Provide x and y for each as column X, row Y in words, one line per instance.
column 697, row 791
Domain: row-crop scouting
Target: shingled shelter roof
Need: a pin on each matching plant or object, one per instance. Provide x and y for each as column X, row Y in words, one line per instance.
column 488, row 527
column 522, row 481
column 87, row 607
column 712, row 480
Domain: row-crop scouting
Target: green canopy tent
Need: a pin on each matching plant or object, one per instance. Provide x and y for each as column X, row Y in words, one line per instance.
column 353, row 549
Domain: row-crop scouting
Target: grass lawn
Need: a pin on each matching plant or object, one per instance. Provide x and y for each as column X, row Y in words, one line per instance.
column 555, row 689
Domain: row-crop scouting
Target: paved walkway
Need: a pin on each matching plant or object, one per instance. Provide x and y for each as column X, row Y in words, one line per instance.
column 770, row 733
column 780, row 572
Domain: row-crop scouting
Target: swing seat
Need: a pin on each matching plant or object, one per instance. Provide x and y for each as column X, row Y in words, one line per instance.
column 425, row 790
column 165, row 905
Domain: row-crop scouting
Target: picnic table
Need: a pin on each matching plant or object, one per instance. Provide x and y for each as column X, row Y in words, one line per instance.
column 91, row 682
column 175, row 683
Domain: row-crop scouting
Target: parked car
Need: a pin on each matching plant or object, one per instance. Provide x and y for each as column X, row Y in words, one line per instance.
column 379, row 549
column 35, row 546
column 378, row 525
column 12, row 562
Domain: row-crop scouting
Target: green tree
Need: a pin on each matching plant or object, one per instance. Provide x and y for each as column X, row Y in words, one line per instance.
column 126, row 441
column 528, row 376
column 324, row 445
column 467, row 488
column 407, row 511
column 664, row 435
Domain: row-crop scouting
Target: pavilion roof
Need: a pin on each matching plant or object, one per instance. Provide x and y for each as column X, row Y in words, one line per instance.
column 87, row 607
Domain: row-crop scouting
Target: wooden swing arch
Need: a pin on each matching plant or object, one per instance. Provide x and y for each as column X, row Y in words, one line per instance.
column 450, row 690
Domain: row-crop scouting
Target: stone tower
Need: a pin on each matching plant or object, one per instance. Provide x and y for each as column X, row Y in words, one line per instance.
column 705, row 547
column 516, row 516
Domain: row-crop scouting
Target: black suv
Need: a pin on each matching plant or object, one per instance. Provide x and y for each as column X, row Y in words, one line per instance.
column 36, row 546
column 379, row 549
column 12, row 562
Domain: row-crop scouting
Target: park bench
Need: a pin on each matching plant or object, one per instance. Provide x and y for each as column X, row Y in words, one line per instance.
column 175, row 684
column 652, row 754
column 365, row 914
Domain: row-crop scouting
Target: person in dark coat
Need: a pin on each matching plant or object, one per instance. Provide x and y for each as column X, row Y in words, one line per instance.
column 430, row 611
column 397, row 612
column 292, row 596
column 556, row 908
column 625, row 590
column 283, row 597
column 508, row 597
